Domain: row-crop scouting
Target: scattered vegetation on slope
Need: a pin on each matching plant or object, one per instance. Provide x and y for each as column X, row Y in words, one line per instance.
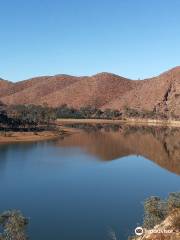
column 161, row 218
column 156, row 209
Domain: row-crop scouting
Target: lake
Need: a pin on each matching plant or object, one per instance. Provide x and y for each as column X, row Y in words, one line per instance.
column 90, row 183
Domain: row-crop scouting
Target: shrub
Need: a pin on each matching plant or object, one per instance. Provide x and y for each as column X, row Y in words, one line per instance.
column 155, row 211
column 13, row 224
column 173, row 201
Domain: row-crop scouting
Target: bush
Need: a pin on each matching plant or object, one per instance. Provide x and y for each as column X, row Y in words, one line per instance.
column 173, row 201
column 13, row 224
column 155, row 211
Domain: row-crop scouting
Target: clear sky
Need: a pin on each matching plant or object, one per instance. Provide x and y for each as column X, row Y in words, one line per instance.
column 133, row 38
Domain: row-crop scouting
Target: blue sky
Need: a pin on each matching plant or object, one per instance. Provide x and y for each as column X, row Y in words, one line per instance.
column 133, row 38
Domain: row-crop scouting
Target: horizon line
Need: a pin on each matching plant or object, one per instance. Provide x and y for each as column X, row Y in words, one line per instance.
column 84, row 76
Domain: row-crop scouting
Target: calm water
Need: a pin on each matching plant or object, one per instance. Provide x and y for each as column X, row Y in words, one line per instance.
column 87, row 184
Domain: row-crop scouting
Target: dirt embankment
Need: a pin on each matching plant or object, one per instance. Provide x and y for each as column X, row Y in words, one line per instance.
column 6, row 137
column 130, row 121
column 9, row 137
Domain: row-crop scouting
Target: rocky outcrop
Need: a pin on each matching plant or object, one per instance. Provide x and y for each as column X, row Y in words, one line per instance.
column 169, row 229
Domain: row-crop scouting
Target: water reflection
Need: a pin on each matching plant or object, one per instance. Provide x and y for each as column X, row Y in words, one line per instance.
column 160, row 145
column 69, row 194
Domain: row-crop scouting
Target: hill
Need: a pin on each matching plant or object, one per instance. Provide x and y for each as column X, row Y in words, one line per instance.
column 103, row 90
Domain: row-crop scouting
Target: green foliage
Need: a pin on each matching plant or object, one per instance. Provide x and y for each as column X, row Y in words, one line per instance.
column 65, row 112
column 149, row 114
column 130, row 112
column 111, row 114
column 86, row 113
column 32, row 117
column 26, row 117
column 32, row 114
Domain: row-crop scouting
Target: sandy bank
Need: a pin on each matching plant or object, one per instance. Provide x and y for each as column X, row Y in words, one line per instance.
column 10, row 137
column 26, row 136
column 131, row 121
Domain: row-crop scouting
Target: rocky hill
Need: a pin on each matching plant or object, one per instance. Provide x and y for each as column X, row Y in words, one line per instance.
column 104, row 90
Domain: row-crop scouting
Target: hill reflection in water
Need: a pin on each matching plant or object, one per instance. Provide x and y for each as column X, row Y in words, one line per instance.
column 158, row 144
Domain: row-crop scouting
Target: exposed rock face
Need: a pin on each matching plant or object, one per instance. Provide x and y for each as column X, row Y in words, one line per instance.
column 103, row 90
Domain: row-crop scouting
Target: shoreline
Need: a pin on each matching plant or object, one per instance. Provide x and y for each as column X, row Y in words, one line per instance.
column 13, row 137
column 130, row 121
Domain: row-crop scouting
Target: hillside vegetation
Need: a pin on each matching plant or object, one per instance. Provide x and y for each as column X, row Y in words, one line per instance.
column 158, row 95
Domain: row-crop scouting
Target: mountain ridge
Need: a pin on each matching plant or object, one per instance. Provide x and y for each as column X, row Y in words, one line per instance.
column 102, row 90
